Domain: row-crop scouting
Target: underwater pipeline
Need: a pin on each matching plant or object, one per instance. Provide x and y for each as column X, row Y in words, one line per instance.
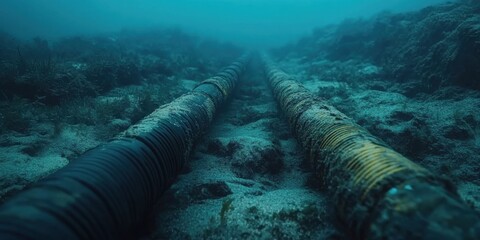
column 377, row 192
column 110, row 190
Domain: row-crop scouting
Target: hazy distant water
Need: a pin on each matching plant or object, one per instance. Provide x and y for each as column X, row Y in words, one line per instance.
column 258, row 23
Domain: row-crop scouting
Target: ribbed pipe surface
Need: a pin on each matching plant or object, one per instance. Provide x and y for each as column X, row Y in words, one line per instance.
column 108, row 192
column 378, row 193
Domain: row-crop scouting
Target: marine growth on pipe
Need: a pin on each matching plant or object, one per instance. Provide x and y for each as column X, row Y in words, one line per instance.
column 109, row 191
column 378, row 193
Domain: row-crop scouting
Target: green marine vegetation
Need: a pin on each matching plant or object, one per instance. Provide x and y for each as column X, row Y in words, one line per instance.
column 226, row 207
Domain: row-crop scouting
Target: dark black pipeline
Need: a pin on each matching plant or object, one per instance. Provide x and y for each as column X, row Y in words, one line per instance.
column 377, row 192
column 108, row 192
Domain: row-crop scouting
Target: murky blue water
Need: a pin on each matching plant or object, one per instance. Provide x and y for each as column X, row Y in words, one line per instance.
column 255, row 23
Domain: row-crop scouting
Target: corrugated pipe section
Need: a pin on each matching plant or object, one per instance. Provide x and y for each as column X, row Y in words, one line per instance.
column 377, row 192
column 108, row 192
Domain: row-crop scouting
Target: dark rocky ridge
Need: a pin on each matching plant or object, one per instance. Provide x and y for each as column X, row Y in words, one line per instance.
column 438, row 45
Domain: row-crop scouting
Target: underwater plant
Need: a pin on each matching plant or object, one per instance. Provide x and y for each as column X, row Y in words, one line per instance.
column 226, row 207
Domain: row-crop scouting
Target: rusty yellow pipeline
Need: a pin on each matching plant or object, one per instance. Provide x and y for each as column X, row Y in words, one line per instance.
column 377, row 192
